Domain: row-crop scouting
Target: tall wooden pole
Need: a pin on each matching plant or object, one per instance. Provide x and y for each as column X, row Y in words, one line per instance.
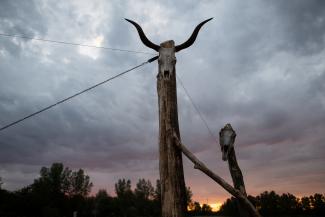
column 173, row 193
column 170, row 157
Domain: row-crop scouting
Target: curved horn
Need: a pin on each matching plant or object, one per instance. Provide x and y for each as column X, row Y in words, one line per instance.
column 191, row 40
column 143, row 37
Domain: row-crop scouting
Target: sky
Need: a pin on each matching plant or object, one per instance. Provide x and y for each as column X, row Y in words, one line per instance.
column 258, row 65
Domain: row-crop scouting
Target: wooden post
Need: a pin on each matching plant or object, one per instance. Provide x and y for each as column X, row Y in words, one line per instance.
column 173, row 197
column 238, row 180
column 227, row 140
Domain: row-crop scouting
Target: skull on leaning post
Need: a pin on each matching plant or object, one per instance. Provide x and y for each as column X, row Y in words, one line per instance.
column 227, row 139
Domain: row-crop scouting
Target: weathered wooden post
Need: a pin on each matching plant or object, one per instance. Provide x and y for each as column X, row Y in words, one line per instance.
column 170, row 159
column 227, row 140
column 173, row 198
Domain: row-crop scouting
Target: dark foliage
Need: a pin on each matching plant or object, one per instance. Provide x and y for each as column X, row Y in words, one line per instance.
column 272, row 204
column 60, row 191
column 57, row 192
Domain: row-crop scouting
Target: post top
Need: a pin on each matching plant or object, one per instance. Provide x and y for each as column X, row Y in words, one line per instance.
column 168, row 44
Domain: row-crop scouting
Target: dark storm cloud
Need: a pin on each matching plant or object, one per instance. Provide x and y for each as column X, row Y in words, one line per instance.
column 42, row 140
column 304, row 24
column 258, row 65
column 20, row 18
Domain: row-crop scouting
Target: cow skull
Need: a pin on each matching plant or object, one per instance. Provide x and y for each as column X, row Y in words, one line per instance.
column 227, row 139
column 167, row 59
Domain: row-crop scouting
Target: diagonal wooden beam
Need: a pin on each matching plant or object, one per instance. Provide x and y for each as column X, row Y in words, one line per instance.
column 203, row 168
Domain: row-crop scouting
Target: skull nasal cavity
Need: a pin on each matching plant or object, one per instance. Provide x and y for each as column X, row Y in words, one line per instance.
column 166, row 73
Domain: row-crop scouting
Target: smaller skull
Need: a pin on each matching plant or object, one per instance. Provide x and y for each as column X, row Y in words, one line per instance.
column 227, row 139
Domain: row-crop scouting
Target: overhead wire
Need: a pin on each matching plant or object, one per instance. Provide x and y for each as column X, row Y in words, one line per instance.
column 196, row 108
column 105, row 81
column 74, row 44
column 107, row 48
column 77, row 94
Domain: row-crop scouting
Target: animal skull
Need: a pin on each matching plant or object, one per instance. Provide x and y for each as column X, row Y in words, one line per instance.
column 167, row 60
column 167, row 50
column 227, row 139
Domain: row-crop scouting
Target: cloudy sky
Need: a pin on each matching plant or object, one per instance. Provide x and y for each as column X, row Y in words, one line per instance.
column 258, row 65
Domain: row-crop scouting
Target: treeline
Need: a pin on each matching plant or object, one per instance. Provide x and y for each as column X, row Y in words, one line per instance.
column 272, row 204
column 59, row 191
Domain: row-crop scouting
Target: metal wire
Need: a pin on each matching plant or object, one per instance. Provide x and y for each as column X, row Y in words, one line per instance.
column 77, row 94
column 75, row 44
column 196, row 108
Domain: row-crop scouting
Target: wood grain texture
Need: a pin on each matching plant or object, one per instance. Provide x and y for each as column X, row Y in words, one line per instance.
column 170, row 157
column 238, row 180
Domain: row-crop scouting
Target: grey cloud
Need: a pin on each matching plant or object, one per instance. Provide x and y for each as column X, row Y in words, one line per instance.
column 304, row 24
column 20, row 18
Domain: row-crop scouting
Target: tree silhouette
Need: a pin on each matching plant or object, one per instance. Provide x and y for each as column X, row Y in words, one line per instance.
column 157, row 192
column 229, row 207
column 206, row 209
column 79, row 184
column 144, row 190
column 318, row 204
column 268, row 203
column 189, row 195
column 123, row 188
column 157, row 199
column 144, row 195
column 125, row 198
column 289, row 204
column 197, row 208
column 55, row 179
column 104, row 204
column 305, row 205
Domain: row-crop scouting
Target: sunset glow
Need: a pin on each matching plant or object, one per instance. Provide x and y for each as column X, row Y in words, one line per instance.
column 215, row 206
